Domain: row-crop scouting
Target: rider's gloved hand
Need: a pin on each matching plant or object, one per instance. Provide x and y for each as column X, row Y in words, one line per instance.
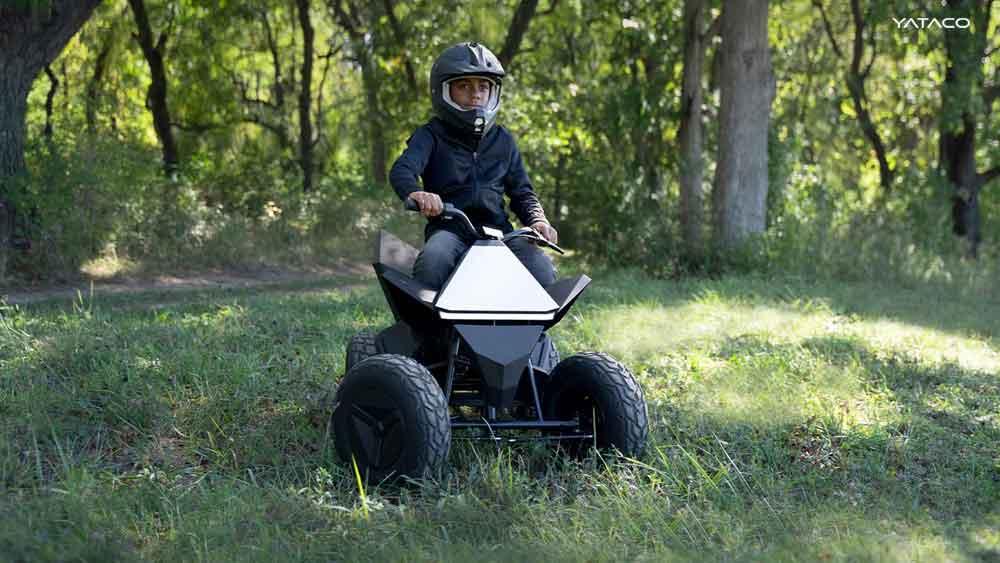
column 547, row 231
column 430, row 204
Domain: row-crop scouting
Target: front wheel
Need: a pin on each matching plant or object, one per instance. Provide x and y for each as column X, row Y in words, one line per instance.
column 603, row 396
column 391, row 419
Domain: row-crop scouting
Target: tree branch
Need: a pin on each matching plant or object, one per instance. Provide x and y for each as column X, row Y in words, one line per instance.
column 347, row 21
column 858, row 52
column 871, row 61
column 856, row 87
column 272, row 46
column 278, row 131
column 988, row 176
column 196, row 127
column 247, row 99
column 515, row 32
column 828, row 27
column 553, row 4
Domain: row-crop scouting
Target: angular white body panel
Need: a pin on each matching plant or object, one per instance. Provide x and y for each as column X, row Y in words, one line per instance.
column 491, row 280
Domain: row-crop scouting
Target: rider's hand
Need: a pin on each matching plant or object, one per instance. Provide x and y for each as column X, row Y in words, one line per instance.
column 547, row 231
column 430, row 204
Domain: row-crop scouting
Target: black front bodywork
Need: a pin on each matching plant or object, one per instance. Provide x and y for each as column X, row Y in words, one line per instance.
column 492, row 365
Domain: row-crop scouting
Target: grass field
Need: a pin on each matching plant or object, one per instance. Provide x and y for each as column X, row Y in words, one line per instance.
column 791, row 420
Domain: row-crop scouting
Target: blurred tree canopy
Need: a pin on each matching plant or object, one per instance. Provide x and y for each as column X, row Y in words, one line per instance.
column 165, row 125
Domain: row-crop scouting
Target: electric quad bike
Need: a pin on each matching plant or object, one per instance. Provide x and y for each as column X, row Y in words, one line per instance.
column 474, row 359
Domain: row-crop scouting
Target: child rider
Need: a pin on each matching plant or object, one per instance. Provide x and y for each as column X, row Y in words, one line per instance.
column 465, row 159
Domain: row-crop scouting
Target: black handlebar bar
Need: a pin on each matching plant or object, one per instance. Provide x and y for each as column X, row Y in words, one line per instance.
column 448, row 213
column 451, row 212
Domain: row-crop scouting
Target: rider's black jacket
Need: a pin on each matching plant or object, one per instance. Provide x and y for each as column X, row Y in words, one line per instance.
column 473, row 175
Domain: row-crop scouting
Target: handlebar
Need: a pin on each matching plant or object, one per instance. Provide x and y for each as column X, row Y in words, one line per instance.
column 451, row 212
column 534, row 236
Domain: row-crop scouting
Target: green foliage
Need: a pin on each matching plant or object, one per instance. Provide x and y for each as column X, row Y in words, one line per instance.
column 592, row 98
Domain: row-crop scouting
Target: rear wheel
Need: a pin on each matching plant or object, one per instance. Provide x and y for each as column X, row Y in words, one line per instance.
column 603, row 396
column 361, row 346
column 391, row 418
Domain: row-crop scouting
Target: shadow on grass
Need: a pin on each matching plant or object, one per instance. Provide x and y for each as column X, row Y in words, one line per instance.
column 932, row 465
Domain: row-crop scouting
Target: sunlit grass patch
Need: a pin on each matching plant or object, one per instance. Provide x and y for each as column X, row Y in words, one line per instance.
column 109, row 266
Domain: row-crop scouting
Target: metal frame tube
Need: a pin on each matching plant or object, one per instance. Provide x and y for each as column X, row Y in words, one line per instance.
column 534, row 391
column 452, row 354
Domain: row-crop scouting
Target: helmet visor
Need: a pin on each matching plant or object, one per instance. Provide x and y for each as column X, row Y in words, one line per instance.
column 468, row 96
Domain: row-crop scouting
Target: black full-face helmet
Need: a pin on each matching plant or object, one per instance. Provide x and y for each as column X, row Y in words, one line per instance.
column 463, row 61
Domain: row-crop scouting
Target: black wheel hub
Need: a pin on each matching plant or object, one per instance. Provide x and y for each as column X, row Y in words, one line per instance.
column 376, row 434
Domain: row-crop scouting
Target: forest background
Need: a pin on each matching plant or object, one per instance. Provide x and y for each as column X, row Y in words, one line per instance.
column 184, row 134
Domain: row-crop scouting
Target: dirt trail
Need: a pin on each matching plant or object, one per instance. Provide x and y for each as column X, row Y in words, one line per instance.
column 188, row 281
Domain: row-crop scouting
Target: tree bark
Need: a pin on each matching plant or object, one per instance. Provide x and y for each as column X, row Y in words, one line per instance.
column 305, row 96
column 30, row 39
column 157, row 92
column 746, row 90
column 957, row 140
column 690, row 133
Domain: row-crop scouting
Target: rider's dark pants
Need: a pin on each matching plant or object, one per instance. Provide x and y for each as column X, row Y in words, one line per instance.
column 443, row 249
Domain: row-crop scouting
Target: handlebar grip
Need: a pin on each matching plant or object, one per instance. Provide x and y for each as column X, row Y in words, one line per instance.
column 411, row 204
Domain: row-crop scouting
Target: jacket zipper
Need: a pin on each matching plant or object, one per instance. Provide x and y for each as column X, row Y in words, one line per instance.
column 475, row 174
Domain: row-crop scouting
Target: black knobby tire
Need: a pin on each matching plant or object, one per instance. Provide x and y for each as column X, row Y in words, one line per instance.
column 603, row 395
column 392, row 419
column 361, row 347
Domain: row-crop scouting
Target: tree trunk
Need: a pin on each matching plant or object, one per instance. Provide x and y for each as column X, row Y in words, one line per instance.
column 30, row 39
column 96, row 80
column 690, row 134
column 957, row 139
column 13, row 107
column 746, row 90
column 376, row 122
column 14, row 95
column 856, row 86
column 156, row 94
column 305, row 96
